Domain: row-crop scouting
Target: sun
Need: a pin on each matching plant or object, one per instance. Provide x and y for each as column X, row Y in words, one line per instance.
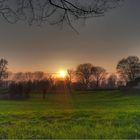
column 62, row 73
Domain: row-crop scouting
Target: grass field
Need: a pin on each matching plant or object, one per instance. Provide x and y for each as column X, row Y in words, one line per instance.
column 97, row 114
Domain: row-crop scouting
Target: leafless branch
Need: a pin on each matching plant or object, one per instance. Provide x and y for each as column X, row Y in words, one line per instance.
column 54, row 11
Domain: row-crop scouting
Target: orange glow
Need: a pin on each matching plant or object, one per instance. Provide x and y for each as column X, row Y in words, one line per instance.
column 62, row 73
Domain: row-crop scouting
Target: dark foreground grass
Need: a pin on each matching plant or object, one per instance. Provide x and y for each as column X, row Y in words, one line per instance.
column 100, row 114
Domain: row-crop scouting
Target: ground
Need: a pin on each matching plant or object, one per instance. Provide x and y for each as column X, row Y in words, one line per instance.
column 93, row 114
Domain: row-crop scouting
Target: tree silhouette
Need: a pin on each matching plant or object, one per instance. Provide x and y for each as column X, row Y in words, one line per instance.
column 84, row 73
column 29, row 76
column 19, row 77
column 129, row 68
column 112, row 81
column 99, row 75
column 3, row 69
column 39, row 75
column 44, row 87
column 69, row 78
column 54, row 11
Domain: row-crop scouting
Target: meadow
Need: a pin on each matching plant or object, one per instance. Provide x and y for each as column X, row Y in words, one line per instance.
column 82, row 114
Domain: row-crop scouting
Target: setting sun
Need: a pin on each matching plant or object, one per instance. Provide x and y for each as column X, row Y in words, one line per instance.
column 62, row 74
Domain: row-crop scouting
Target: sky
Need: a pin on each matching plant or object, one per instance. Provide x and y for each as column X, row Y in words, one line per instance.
column 102, row 41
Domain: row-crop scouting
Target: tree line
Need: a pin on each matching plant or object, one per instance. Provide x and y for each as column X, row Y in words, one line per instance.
column 85, row 77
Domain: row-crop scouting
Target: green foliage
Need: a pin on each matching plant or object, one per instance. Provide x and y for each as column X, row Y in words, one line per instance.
column 99, row 114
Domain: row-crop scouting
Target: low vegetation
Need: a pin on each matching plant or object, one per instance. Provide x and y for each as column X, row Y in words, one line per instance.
column 98, row 114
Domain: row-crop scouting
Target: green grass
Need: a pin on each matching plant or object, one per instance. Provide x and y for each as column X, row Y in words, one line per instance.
column 99, row 114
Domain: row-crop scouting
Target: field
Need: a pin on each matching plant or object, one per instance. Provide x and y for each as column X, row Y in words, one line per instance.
column 96, row 114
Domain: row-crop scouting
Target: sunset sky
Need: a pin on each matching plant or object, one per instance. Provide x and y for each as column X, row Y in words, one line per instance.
column 102, row 41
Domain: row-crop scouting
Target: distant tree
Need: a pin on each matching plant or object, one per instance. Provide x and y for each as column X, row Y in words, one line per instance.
column 12, row 90
column 39, row 75
column 29, row 76
column 51, row 80
column 27, row 88
column 20, row 89
column 3, row 69
column 69, row 78
column 16, row 90
column 121, row 83
column 84, row 74
column 54, row 11
column 44, row 87
column 112, row 81
column 10, row 75
column 19, row 77
column 99, row 74
column 129, row 68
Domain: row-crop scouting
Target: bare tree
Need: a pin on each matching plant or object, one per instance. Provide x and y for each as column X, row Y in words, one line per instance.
column 19, row 77
column 29, row 76
column 51, row 80
column 84, row 73
column 69, row 78
column 44, row 87
column 129, row 68
column 3, row 69
column 54, row 11
column 112, row 81
column 99, row 74
column 39, row 75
